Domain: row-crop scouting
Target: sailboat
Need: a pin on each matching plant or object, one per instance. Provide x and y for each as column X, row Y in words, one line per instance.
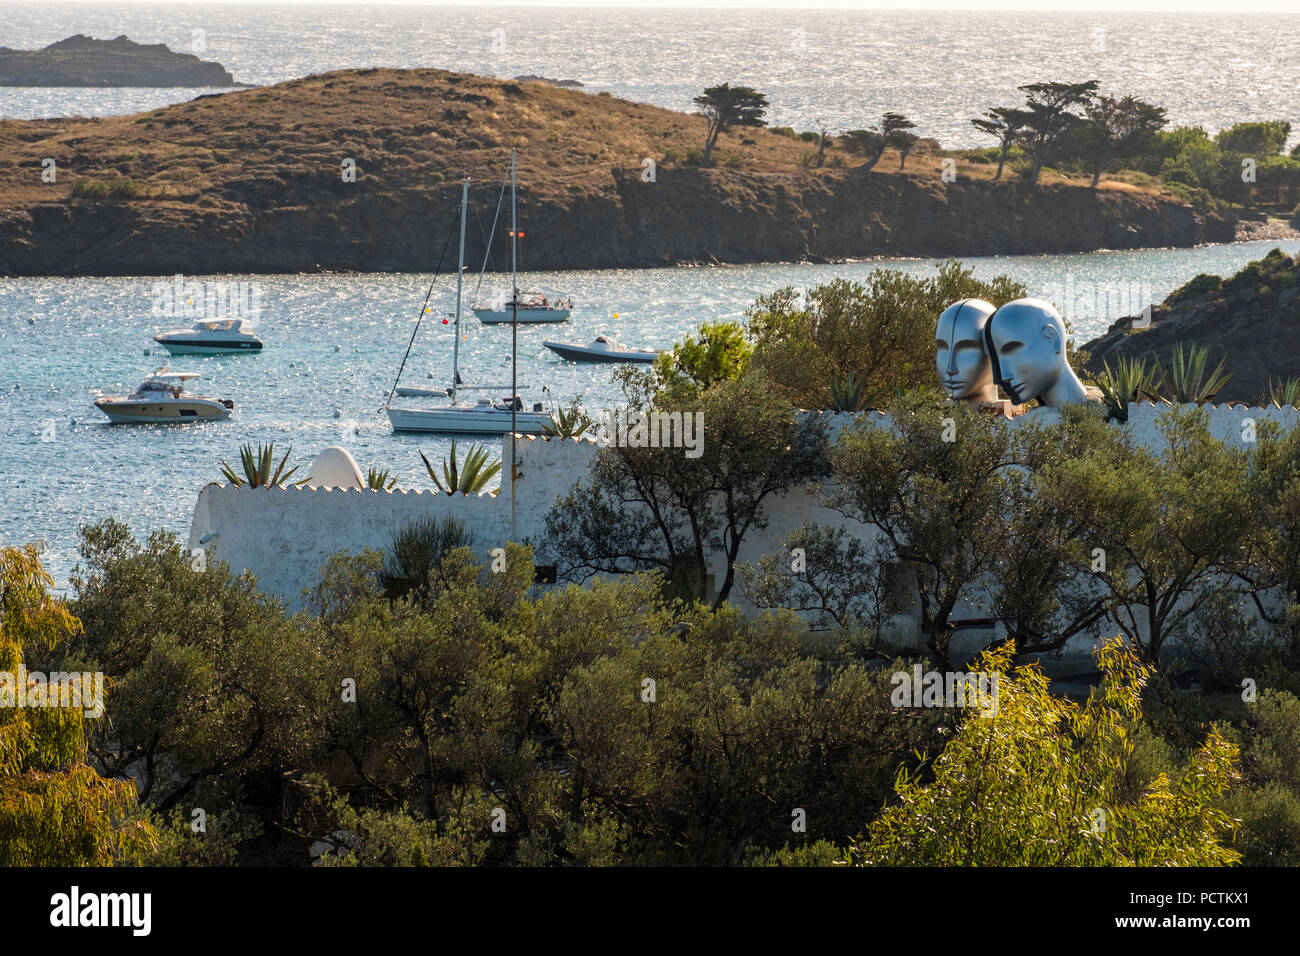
column 486, row 416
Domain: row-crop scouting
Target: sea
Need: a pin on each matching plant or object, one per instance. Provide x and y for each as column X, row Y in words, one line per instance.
column 334, row 343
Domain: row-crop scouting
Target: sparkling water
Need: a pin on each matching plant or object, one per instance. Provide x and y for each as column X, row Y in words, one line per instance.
column 333, row 346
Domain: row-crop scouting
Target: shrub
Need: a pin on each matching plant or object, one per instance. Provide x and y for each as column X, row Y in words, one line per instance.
column 418, row 549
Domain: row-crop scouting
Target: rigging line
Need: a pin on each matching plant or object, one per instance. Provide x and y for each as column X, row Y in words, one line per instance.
column 488, row 249
column 424, row 308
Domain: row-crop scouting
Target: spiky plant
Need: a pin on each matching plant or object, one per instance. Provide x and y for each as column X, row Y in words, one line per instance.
column 846, row 395
column 257, row 467
column 377, row 480
column 468, row 477
column 1284, row 394
column 1131, row 379
column 569, row 422
column 1185, row 379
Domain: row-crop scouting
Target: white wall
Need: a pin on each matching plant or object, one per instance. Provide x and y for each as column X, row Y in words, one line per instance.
column 284, row 535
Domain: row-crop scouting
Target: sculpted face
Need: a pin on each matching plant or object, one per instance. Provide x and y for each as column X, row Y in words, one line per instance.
column 964, row 368
column 1026, row 343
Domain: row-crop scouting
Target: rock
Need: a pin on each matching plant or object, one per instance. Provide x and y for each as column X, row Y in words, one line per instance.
column 534, row 78
column 1251, row 320
column 83, row 61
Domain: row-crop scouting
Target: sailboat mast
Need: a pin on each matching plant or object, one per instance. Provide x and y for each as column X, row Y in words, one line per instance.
column 460, row 273
column 514, row 327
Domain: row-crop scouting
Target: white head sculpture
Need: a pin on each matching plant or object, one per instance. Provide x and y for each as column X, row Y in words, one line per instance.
column 1025, row 340
column 963, row 365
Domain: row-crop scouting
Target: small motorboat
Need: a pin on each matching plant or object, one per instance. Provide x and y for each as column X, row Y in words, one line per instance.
column 211, row 336
column 161, row 400
column 604, row 349
column 534, row 309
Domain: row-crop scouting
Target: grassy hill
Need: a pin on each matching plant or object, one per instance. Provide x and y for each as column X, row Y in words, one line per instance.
column 251, row 181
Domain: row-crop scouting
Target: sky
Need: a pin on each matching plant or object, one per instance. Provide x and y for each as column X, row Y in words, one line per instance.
column 1168, row 6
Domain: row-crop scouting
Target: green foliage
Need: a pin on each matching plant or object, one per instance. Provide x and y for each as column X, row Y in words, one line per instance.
column 1003, row 123
column 1283, row 394
column 881, row 330
column 570, row 422
column 893, row 131
column 1185, row 380
column 418, row 550
column 377, row 480
column 257, row 467
column 1132, row 379
column 726, row 107
column 1116, row 128
column 1166, row 524
column 679, row 511
column 846, row 394
column 1041, row 784
column 933, row 486
column 1049, row 119
column 1198, row 287
column 209, row 677
column 1257, row 139
column 720, row 353
column 55, row 810
column 466, row 477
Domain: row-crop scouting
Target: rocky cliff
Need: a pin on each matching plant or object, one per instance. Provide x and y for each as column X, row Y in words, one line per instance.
column 1252, row 319
column 83, row 61
column 359, row 170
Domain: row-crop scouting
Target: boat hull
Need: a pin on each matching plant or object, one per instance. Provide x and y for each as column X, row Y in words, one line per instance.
column 526, row 316
column 578, row 353
column 209, row 348
column 164, row 413
column 455, row 420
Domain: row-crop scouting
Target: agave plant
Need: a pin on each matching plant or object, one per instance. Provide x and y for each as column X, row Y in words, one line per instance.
column 569, row 422
column 257, row 467
column 1284, row 394
column 1131, row 379
column 1185, row 379
column 846, row 396
column 377, row 480
column 467, row 477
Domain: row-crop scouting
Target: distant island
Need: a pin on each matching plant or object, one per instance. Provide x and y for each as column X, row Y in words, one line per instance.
column 359, row 170
column 534, row 78
column 83, row 61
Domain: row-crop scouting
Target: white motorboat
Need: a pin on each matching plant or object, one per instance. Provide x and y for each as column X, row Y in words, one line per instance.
column 484, row 417
column 604, row 349
column 161, row 400
column 534, row 309
column 211, row 336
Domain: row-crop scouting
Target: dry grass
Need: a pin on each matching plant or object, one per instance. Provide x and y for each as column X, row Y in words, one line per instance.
column 408, row 130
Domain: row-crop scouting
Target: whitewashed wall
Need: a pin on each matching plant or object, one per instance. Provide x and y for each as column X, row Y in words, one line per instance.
column 284, row 535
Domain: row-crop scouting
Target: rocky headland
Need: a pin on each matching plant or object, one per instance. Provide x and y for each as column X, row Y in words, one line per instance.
column 358, row 170
column 1252, row 319
column 83, row 61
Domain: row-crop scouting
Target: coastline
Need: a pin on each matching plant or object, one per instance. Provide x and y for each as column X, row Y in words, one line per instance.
column 259, row 181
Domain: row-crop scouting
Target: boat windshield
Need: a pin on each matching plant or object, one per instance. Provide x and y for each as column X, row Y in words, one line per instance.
column 223, row 325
